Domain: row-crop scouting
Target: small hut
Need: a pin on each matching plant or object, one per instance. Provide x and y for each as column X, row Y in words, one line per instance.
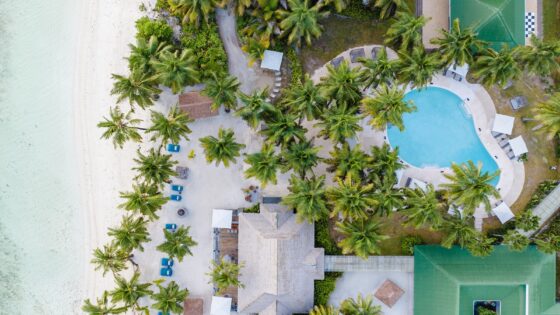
column 196, row 105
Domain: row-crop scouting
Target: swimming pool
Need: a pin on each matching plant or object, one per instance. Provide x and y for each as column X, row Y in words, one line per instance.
column 440, row 132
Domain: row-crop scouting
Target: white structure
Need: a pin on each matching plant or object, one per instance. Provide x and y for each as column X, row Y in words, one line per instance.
column 220, row 306
column 503, row 124
column 221, row 218
column 503, row 212
column 518, row 146
column 272, row 60
column 459, row 70
column 281, row 262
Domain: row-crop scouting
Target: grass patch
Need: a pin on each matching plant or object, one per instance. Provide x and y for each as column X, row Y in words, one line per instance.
column 324, row 288
column 551, row 12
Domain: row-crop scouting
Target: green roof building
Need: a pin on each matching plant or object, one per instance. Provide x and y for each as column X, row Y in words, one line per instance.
column 450, row 281
column 498, row 22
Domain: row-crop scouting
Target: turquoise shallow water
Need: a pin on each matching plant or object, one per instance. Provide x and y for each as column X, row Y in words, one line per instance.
column 440, row 132
column 40, row 223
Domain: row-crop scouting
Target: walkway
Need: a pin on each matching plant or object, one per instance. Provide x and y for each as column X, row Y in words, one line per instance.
column 373, row 263
column 546, row 209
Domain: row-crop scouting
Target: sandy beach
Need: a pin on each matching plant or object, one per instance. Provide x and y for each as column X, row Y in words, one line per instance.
column 106, row 29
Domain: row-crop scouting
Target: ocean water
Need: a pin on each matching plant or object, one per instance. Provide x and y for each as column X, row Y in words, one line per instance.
column 41, row 235
column 440, row 132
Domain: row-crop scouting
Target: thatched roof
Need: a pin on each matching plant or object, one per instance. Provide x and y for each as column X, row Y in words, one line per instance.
column 193, row 306
column 280, row 260
column 196, row 105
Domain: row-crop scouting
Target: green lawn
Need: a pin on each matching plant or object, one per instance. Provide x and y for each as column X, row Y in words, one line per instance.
column 551, row 11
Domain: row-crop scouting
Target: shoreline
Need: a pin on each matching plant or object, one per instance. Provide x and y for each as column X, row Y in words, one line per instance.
column 105, row 31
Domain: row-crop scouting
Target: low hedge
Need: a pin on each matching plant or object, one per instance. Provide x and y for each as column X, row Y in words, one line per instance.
column 324, row 288
column 207, row 47
column 323, row 238
column 146, row 28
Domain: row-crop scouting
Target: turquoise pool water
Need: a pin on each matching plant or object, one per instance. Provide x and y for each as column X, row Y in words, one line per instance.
column 440, row 132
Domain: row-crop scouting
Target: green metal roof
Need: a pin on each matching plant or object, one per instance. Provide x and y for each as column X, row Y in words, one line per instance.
column 448, row 281
column 496, row 21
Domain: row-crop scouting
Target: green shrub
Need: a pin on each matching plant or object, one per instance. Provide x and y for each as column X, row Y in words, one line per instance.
column 207, row 47
column 146, row 28
column 162, row 5
column 256, row 208
column 295, row 66
column 408, row 242
column 324, row 288
column 356, row 9
column 323, row 238
column 542, row 191
column 484, row 311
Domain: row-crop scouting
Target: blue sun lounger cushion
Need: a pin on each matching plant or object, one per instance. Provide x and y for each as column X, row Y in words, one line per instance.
column 176, row 197
column 168, row 262
column 173, row 147
column 161, row 313
column 177, row 188
column 171, row 226
column 166, row 272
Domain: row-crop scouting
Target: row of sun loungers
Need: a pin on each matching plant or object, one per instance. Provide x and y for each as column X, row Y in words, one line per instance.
column 503, row 142
column 356, row 55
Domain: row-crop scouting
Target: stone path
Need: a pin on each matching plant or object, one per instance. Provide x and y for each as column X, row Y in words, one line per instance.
column 546, row 209
column 373, row 263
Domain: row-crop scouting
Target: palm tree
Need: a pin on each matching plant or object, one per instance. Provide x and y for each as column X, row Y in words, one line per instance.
column 170, row 299
column 377, row 71
column 342, row 84
column 102, row 307
column 339, row 122
column 171, row 128
column 255, row 108
column 527, row 221
column 301, row 21
column 351, row 199
column 361, row 306
column 308, row 197
column 458, row 231
column 548, row 244
column 389, row 7
column 192, row 11
column 304, row 100
column 323, row 310
column 516, row 241
column 223, row 149
column 481, row 246
column 110, row 258
column 130, row 291
column 469, row 186
column 138, row 88
column 263, row 165
column 458, row 45
column 283, row 129
column 120, row 127
column 177, row 244
column 300, row 157
column 131, row 233
column 387, row 107
column 418, row 68
column 145, row 199
column 406, row 31
column 361, row 237
column 143, row 52
column 388, row 199
column 384, row 163
column 540, row 58
column 423, row 209
column 548, row 114
column 338, row 5
column 154, row 168
column 496, row 67
column 225, row 274
column 346, row 161
column 223, row 90
column 176, row 70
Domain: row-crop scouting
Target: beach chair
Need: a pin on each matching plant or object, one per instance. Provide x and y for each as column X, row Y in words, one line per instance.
column 177, row 188
column 357, row 54
column 176, row 197
column 166, row 272
column 173, row 148
column 510, row 155
column 167, row 262
column 337, row 61
column 519, row 102
column 171, row 227
column 496, row 134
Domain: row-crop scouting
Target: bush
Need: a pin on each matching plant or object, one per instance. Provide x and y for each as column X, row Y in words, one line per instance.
column 295, row 66
column 324, row 288
column 256, row 208
column 408, row 242
column 356, row 9
column 162, row 5
column 323, row 238
column 146, row 28
column 542, row 191
column 208, row 50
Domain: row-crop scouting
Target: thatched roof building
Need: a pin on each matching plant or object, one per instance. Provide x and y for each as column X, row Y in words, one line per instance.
column 196, row 105
column 280, row 260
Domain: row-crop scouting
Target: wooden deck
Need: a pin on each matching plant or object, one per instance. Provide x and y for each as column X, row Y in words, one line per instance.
column 227, row 244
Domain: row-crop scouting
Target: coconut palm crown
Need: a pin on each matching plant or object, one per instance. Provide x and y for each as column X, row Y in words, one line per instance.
column 263, row 165
column 308, row 197
column 178, row 243
column 170, row 299
column 361, row 237
column 138, row 88
column 458, row 45
column 496, row 67
column 120, row 127
column 223, row 149
column 154, row 168
column 387, row 107
column 176, row 70
column 225, row 274
column 548, row 114
column 301, row 21
column 406, row 31
column 223, row 90
column 145, row 199
column 171, row 128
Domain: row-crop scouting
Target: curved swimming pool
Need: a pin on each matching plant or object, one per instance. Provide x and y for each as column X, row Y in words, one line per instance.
column 440, row 132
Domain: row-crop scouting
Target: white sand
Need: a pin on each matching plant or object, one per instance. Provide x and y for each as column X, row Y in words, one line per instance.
column 106, row 29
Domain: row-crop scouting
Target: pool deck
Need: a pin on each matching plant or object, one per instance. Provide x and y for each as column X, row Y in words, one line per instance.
column 480, row 105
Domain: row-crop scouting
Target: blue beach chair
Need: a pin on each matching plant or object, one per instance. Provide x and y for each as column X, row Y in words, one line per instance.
column 173, row 148
column 171, row 226
column 161, row 313
column 177, row 188
column 167, row 262
column 176, row 197
column 166, row 272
